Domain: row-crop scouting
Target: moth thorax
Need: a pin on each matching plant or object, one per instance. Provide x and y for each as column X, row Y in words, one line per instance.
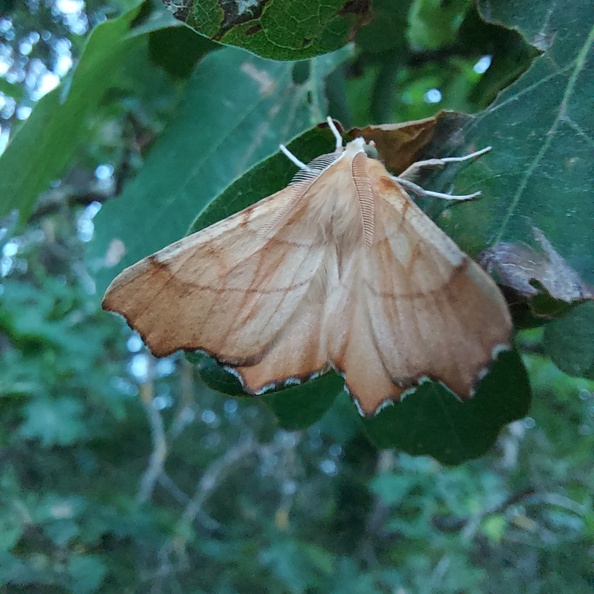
column 336, row 210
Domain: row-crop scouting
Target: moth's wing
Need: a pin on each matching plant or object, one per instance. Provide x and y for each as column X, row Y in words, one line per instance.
column 234, row 290
column 420, row 308
column 353, row 350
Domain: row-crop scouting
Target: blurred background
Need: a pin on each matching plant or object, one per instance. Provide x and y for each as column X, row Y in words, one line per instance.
column 123, row 473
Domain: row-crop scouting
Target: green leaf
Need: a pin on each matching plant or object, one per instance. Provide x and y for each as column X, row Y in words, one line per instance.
column 15, row 91
column 392, row 488
column 46, row 143
column 494, row 527
column 509, row 52
column 434, row 23
column 383, row 48
column 54, row 507
column 62, row 532
column 215, row 377
column 296, row 564
column 277, row 29
column 58, row 421
column 85, row 572
column 546, row 378
column 433, row 421
column 15, row 571
column 12, row 526
column 177, row 49
column 385, row 32
column 237, row 109
column 539, row 173
column 570, row 341
column 300, row 406
column 342, row 422
column 295, row 407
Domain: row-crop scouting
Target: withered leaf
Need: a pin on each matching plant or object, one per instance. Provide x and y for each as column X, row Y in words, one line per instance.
column 401, row 145
column 523, row 268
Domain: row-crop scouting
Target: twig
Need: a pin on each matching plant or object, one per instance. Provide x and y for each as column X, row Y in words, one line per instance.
column 169, row 485
column 376, row 519
column 212, row 477
column 184, row 414
column 159, row 452
column 470, row 525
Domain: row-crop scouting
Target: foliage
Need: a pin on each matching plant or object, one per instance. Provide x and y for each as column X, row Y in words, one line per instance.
column 58, row 121
column 123, row 473
column 278, row 29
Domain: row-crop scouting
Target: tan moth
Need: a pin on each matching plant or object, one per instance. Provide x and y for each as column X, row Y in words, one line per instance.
column 340, row 270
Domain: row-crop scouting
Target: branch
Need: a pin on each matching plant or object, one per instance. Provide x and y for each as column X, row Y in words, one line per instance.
column 471, row 524
column 378, row 513
column 159, row 453
column 169, row 485
column 215, row 474
column 185, row 411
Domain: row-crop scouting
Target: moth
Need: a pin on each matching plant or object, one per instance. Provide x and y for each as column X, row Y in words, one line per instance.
column 340, row 270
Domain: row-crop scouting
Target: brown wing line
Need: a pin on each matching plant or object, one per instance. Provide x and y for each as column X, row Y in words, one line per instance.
column 400, row 382
column 222, row 290
column 418, row 294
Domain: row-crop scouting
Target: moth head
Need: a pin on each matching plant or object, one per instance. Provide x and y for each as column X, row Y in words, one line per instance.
column 360, row 145
column 371, row 150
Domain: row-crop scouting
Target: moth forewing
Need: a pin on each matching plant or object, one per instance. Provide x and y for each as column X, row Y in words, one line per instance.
column 340, row 269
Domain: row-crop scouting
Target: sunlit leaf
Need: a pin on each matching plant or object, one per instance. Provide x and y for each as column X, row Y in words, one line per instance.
column 46, row 143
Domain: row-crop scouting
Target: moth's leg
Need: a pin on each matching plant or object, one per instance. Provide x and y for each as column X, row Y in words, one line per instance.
column 412, row 171
column 335, row 132
column 293, row 158
column 416, row 189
